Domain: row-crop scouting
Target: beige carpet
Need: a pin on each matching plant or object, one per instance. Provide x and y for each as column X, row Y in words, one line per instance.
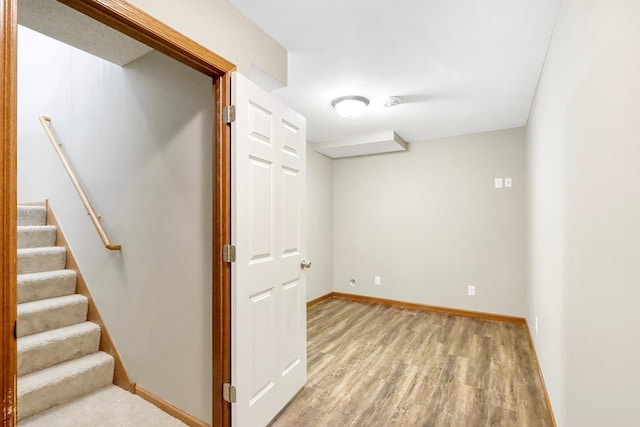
column 108, row 407
column 59, row 357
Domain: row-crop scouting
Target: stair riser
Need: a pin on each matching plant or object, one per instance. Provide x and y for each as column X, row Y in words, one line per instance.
column 53, row 318
column 44, row 285
column 64, row 389
column 32, row 358
column 41, row 237
column 30, row 261
column 32, row 215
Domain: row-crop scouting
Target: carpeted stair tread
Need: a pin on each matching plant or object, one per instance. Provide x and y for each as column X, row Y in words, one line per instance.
column 62, row 383
column 52, row 313
column 108, row 407
column 32, row 215
column 36, row 236
column 35, row 260
column 46, row 284
column 45, row 349
column 59, row 362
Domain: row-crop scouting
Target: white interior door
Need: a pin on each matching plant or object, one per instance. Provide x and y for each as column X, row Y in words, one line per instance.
column 268, row 297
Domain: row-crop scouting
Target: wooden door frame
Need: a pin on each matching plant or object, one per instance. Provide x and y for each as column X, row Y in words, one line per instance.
column 141, row 26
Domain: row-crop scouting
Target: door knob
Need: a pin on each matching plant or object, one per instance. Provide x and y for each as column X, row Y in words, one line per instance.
column 305, row 264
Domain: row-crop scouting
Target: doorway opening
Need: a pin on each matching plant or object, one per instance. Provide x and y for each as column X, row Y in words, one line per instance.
column 145, row 29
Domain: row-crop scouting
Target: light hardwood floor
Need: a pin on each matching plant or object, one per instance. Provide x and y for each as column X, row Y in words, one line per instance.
column 375, row 365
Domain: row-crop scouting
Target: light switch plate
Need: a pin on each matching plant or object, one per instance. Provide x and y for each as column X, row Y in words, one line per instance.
column 507, row 182
column 498, row 182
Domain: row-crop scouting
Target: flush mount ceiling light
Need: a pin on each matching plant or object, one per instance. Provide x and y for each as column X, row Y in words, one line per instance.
column 350, row 106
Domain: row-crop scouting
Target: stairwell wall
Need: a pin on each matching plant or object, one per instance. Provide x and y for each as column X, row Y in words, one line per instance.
column 139, row 138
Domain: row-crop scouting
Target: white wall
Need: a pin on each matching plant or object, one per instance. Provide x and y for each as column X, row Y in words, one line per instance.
column 319, row 224
column 221, row 28
column 140, row 140
column 584, row 171
column 430, row 222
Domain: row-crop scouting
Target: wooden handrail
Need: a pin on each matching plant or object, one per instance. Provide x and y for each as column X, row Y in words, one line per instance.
column 95, row 218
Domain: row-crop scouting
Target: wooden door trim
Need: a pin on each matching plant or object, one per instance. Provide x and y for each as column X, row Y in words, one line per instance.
column 221, row 270
column 8, row 218
column 141, row 26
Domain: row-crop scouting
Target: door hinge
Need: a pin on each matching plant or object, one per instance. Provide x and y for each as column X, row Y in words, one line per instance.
column 229, row 114
column 15, row 330
column 229, row 253
column 229, row 393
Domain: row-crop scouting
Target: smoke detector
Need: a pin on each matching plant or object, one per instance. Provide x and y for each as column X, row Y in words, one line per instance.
column 392, row 101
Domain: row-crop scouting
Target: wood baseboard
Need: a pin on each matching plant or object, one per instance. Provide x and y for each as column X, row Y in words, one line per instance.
column 120, row 375
column 544, row 386
column 319, row 299
column 437, row 309
column 170, row 409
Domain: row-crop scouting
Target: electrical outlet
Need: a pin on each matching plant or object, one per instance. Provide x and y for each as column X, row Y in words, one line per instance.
column 536, row 325
column 377, row 280
column 352, row 282
column 471, row 290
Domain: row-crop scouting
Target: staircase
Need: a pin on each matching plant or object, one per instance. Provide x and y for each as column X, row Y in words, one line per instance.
column 58, row 356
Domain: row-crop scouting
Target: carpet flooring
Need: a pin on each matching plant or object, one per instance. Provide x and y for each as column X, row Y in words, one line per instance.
column 108, row 407
column 59, row 358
